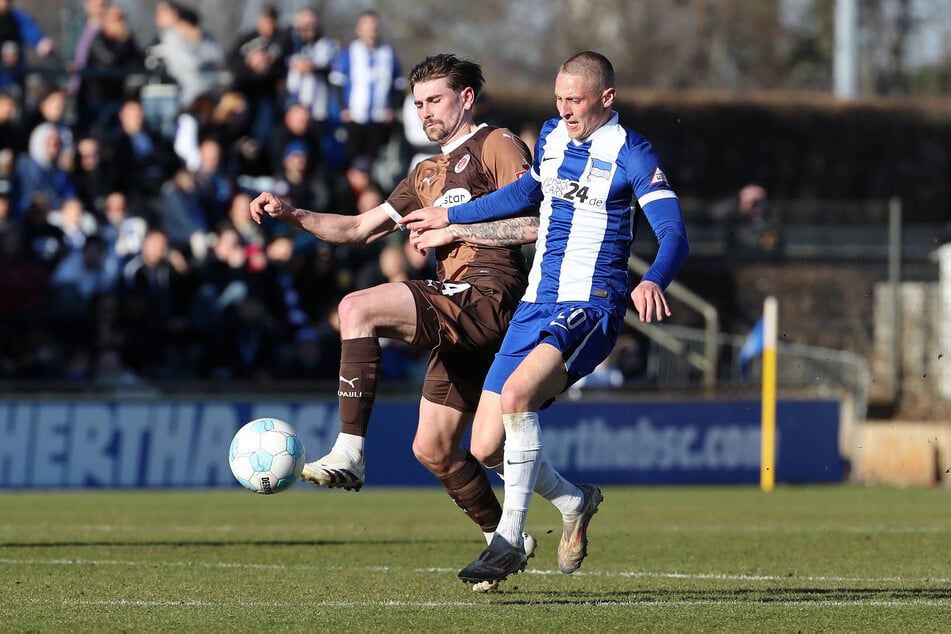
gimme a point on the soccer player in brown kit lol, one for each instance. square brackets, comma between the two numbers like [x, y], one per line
[461, 317]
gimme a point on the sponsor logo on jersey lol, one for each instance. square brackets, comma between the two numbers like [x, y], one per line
[574, 192]
[453, 197]
[658, 178]
[462, 164]
[600, 169]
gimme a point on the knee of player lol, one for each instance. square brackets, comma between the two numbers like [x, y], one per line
[516, 397]
[435, 458]
[355, 309]
[489, 455]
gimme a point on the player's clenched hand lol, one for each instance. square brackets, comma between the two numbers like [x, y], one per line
[268, 203]
[650, 302]
[422, 241]
[427, 218]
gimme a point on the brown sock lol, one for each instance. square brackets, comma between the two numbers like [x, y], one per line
[469, 488]
[359, 368]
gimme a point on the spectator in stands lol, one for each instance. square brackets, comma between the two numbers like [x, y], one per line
[232, 124]
[144, 160]
[92, 180]
[193, 58]
[222, 278]
[79, 280]
[296, 125]
[113, 55]
[215, 189]
[160, 94]
[38, 174]
[166, 17]
[6, 218]
[321, 280]
[359, 178]
[81, 36]
[367, 72]
[123, 232]
[75, 222]
[258, 63]
[154, 291]
[390, 265]
[12, 132]
[280, 287]
[52, 108]
[12, 143]
[293, 179]
[182, 216]
[18, 31]
[23, 303]
[312, 54]
[249, 232]
[193, 124]
[755, 232]
[370, 197]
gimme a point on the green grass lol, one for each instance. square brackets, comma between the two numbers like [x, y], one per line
[686, 559]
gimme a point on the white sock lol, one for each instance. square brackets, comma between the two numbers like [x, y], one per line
[552, 486]
[350, 445]
[522, 447]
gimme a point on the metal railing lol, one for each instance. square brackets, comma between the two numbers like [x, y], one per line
[705, 360]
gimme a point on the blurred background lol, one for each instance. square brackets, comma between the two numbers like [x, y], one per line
[809, 142]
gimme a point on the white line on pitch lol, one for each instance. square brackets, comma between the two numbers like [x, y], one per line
[622, 573]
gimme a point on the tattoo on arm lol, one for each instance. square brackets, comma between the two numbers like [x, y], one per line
[505, 232]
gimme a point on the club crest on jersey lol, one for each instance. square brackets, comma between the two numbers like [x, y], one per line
[462, 164]
[600, 169]
[525, 168]
[658, 178]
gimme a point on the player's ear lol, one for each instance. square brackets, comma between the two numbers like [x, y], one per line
[607, 96]
[468, 97]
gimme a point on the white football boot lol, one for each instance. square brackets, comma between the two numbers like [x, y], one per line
[336, 471]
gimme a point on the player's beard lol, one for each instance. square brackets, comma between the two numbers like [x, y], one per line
[436, 132]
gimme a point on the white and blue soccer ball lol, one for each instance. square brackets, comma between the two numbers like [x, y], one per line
[266, 455]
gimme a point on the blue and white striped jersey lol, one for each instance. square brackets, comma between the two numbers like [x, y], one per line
[370, 79]
[589, 194]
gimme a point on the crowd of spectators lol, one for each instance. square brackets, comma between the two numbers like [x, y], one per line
[126, 249]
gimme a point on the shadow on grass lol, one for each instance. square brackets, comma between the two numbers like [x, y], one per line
[221, 543]
[184, 543]
[777, 596]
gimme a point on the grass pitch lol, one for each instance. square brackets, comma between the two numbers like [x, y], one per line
[688, 559]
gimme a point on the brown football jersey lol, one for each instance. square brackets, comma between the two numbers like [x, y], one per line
[488, 159]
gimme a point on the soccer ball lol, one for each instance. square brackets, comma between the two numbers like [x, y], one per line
[266, 456]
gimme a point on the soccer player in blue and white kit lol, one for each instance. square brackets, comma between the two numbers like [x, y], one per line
[592, 175]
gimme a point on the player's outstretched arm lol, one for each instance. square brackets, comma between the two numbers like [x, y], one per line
[358, 230]
[506, 232]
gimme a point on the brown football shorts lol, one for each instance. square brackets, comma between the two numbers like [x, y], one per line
[463, 324]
